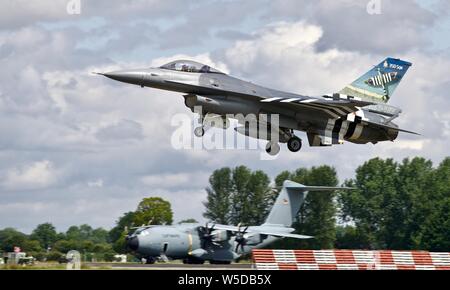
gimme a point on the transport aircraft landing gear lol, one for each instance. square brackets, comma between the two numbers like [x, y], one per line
[192, 260]
[213, 262]
[294, 144]
[272, 148]
[150, 260]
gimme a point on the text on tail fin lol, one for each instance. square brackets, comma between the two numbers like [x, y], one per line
[379, 83]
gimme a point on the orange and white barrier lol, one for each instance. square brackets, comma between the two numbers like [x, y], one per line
[349, 260]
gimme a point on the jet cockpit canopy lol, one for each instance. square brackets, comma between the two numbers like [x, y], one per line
[190, 66]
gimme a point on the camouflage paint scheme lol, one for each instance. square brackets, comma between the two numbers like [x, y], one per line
[359, 113]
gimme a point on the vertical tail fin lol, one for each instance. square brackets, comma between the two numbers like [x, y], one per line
[379, 83]
[289, 201]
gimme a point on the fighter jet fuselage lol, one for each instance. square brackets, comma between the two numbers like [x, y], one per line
[359, 116]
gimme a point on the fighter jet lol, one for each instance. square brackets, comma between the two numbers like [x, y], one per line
[358, 113]
[220, 244]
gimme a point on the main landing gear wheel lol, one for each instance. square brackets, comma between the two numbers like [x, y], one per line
[150, 260]
[212, 262]
[294, 144]
[199, 132]
[191, 260]
[272, 148]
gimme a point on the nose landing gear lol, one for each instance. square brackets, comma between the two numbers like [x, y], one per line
[199, 131]
[272, 148]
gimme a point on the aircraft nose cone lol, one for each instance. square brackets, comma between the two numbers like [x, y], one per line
[132, 77]
[133, 243]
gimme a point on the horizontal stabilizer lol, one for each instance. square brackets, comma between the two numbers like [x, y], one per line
[285, 235]
[392, 128]
[260, 231]
[319, 188]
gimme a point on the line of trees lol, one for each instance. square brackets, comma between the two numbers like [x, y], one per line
[395, 205]
[45, 243]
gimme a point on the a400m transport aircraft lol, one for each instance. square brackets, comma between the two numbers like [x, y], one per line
[220, 244]
[358, 113]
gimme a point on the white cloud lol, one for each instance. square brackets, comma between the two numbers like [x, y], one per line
[196, 179]
[81, 148]
[284, 54]
[96, 183]
[37, 175]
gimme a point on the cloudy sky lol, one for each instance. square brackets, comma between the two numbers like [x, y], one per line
[77, 148]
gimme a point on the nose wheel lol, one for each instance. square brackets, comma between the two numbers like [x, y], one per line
[199, 132]
[294, 144]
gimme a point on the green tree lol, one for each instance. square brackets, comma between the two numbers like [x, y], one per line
[126, 221]
[10, 238]
[46, 235]
[155, 211]
[73, 233]
[433, 212]
[347, 237]
[31, 246]
[251, 194]
[399, 205]
[65, 246]
[119, 245]
[407, 210]
[238, 196]
[218, 203]
[376, 183]
[99, 235]
[86, 231]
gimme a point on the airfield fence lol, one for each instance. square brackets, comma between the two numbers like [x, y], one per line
[349, 260]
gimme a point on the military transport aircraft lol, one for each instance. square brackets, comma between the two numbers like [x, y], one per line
[358, 113]
[196, 243]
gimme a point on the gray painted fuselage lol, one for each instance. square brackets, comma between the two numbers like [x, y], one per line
[222, 94]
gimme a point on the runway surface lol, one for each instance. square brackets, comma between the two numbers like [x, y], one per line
[170, 266]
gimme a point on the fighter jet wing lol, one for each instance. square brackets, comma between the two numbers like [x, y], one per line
[336, 105]
[257, 230]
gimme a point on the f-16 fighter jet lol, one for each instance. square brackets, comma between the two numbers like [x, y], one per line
[358, 113]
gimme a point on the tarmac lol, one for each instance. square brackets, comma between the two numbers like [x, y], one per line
[170, 266]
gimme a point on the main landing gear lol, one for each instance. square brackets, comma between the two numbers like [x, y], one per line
[192, 260]
[294, 144]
